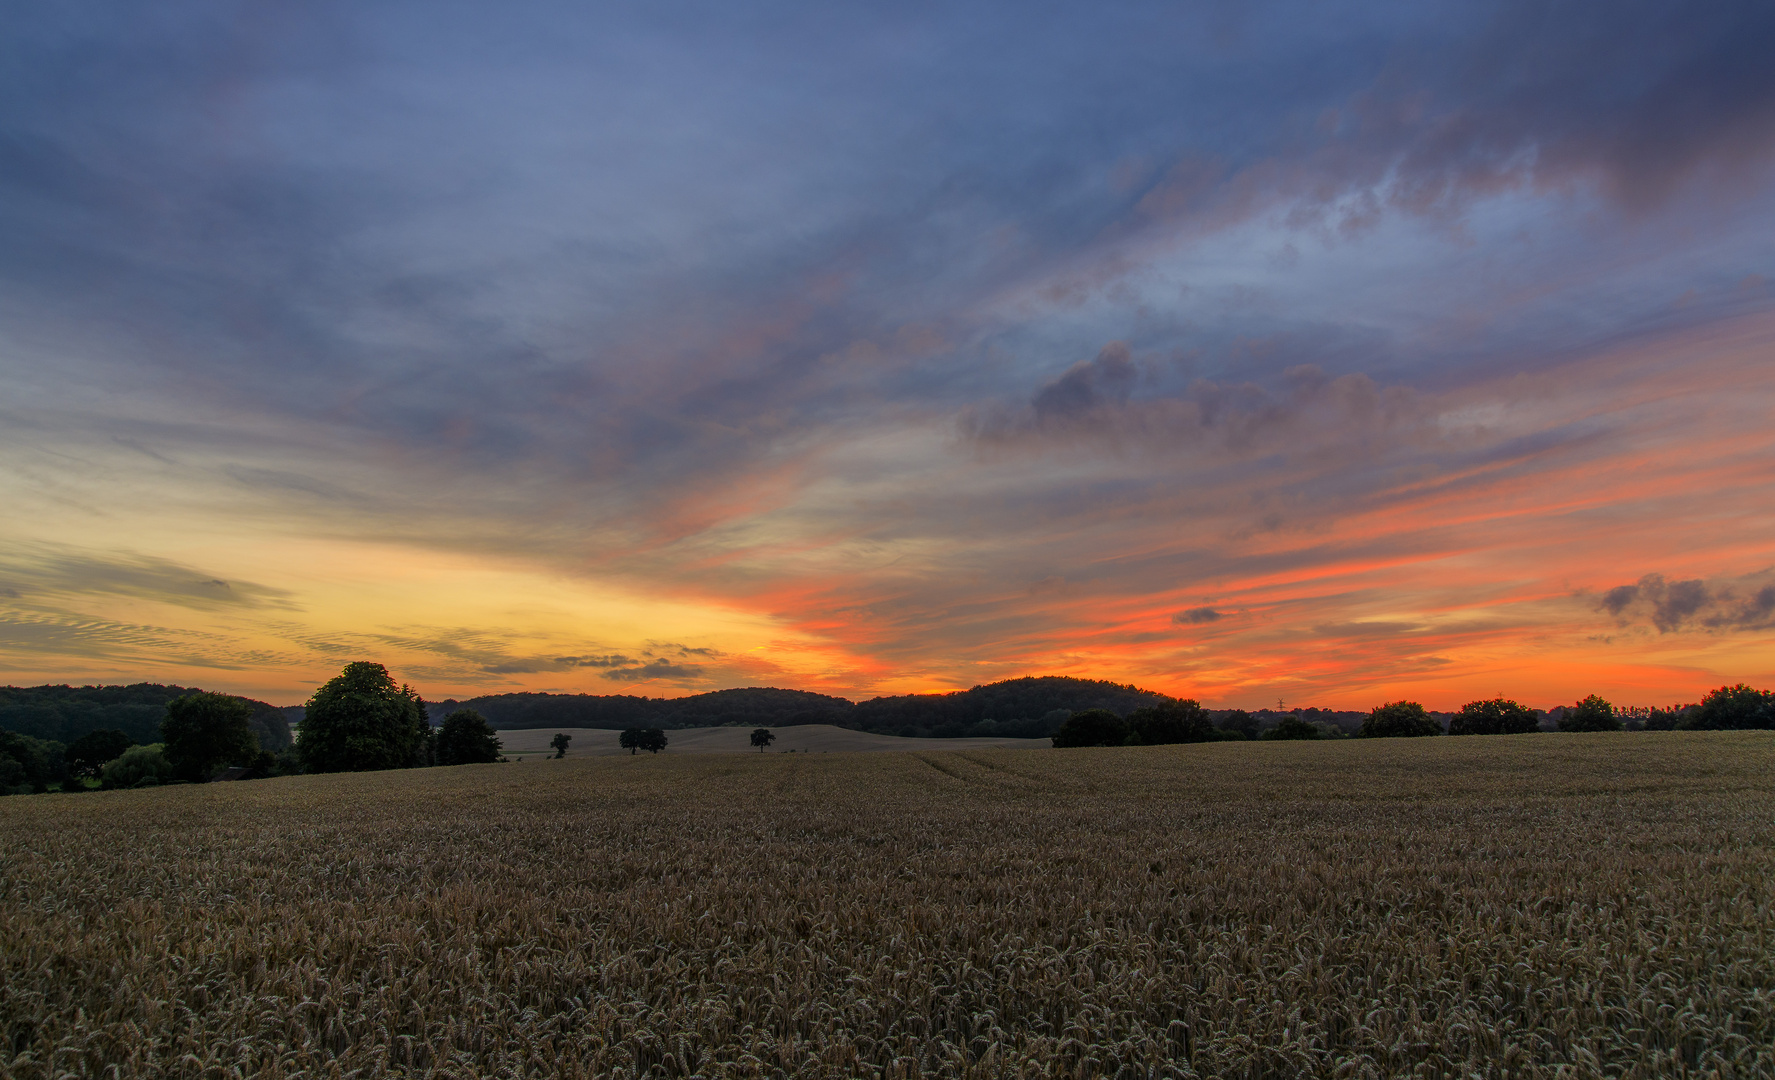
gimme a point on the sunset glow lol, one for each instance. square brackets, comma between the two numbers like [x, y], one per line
[1245, 354]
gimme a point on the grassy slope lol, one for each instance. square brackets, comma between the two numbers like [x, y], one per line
[1503, 905]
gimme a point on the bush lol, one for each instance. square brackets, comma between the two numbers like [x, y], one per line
[1293, 727]
[1732, 708]
[467, 739]
[1498, 716]
[205, 732]
[139, 766]
[1093, 727]
[1591, 714]
[1399, 719]
[361, 720]
[1171, 722]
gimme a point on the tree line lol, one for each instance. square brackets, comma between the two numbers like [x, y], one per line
[1734, 707]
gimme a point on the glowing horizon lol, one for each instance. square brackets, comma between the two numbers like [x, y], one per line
[890, 353]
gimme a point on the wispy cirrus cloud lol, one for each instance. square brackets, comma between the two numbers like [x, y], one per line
[30, 570]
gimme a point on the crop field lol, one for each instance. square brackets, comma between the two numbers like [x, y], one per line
[1540, 905]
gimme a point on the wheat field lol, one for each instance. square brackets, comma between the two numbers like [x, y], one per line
[1543, 905]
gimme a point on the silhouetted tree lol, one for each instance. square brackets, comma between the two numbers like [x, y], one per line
[204, 732]
[1093, 727]
[763, 737]
[1239, 724]
[652, 740]
[1591, 714]
[90, 753]
[1398, 719]
[361, 720]
[1498, 716]
[467, 739]
[1182, 721]
[1293, 727]
[559, 742]
[1733, 707]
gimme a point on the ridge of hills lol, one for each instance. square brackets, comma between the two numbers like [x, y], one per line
[1030, 707]
[64, 713]
[1018, 708]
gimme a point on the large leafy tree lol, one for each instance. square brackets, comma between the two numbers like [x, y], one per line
[763, 737]
[1239, 724]
[467, 739]
[1172, 722]
[1399, 718]
[1737, 706]
[204, 732]
[1498, 716]
[94, 750]
[652, 740]
[1591, 714]
[1093, 727]
[361, 720]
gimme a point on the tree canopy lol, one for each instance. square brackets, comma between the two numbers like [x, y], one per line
[1398, 719]
[1182, 721]
[652, 740]
[1499, 716]
[1292, 727]
[763, 737]
[1591, 714]
[90, 753]
[1093, 727]
[467, 739]
[29, 765]
[1733, 707]
[139, 766]
[560, 742]
[361, 720]
[1240, 724]
[204, 732]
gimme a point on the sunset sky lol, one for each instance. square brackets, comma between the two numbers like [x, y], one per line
[1323, 352]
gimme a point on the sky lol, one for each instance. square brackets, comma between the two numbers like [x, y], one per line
[1317, 352]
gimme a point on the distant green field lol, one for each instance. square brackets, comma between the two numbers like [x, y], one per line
[1541, 905]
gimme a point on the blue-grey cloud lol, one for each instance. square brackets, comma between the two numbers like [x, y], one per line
[655, 669]
[1197, 616]
[1693, 604]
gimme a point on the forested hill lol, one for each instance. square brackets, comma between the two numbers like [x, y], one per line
[1031, 707]
[64, 713]
[1008, 702]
